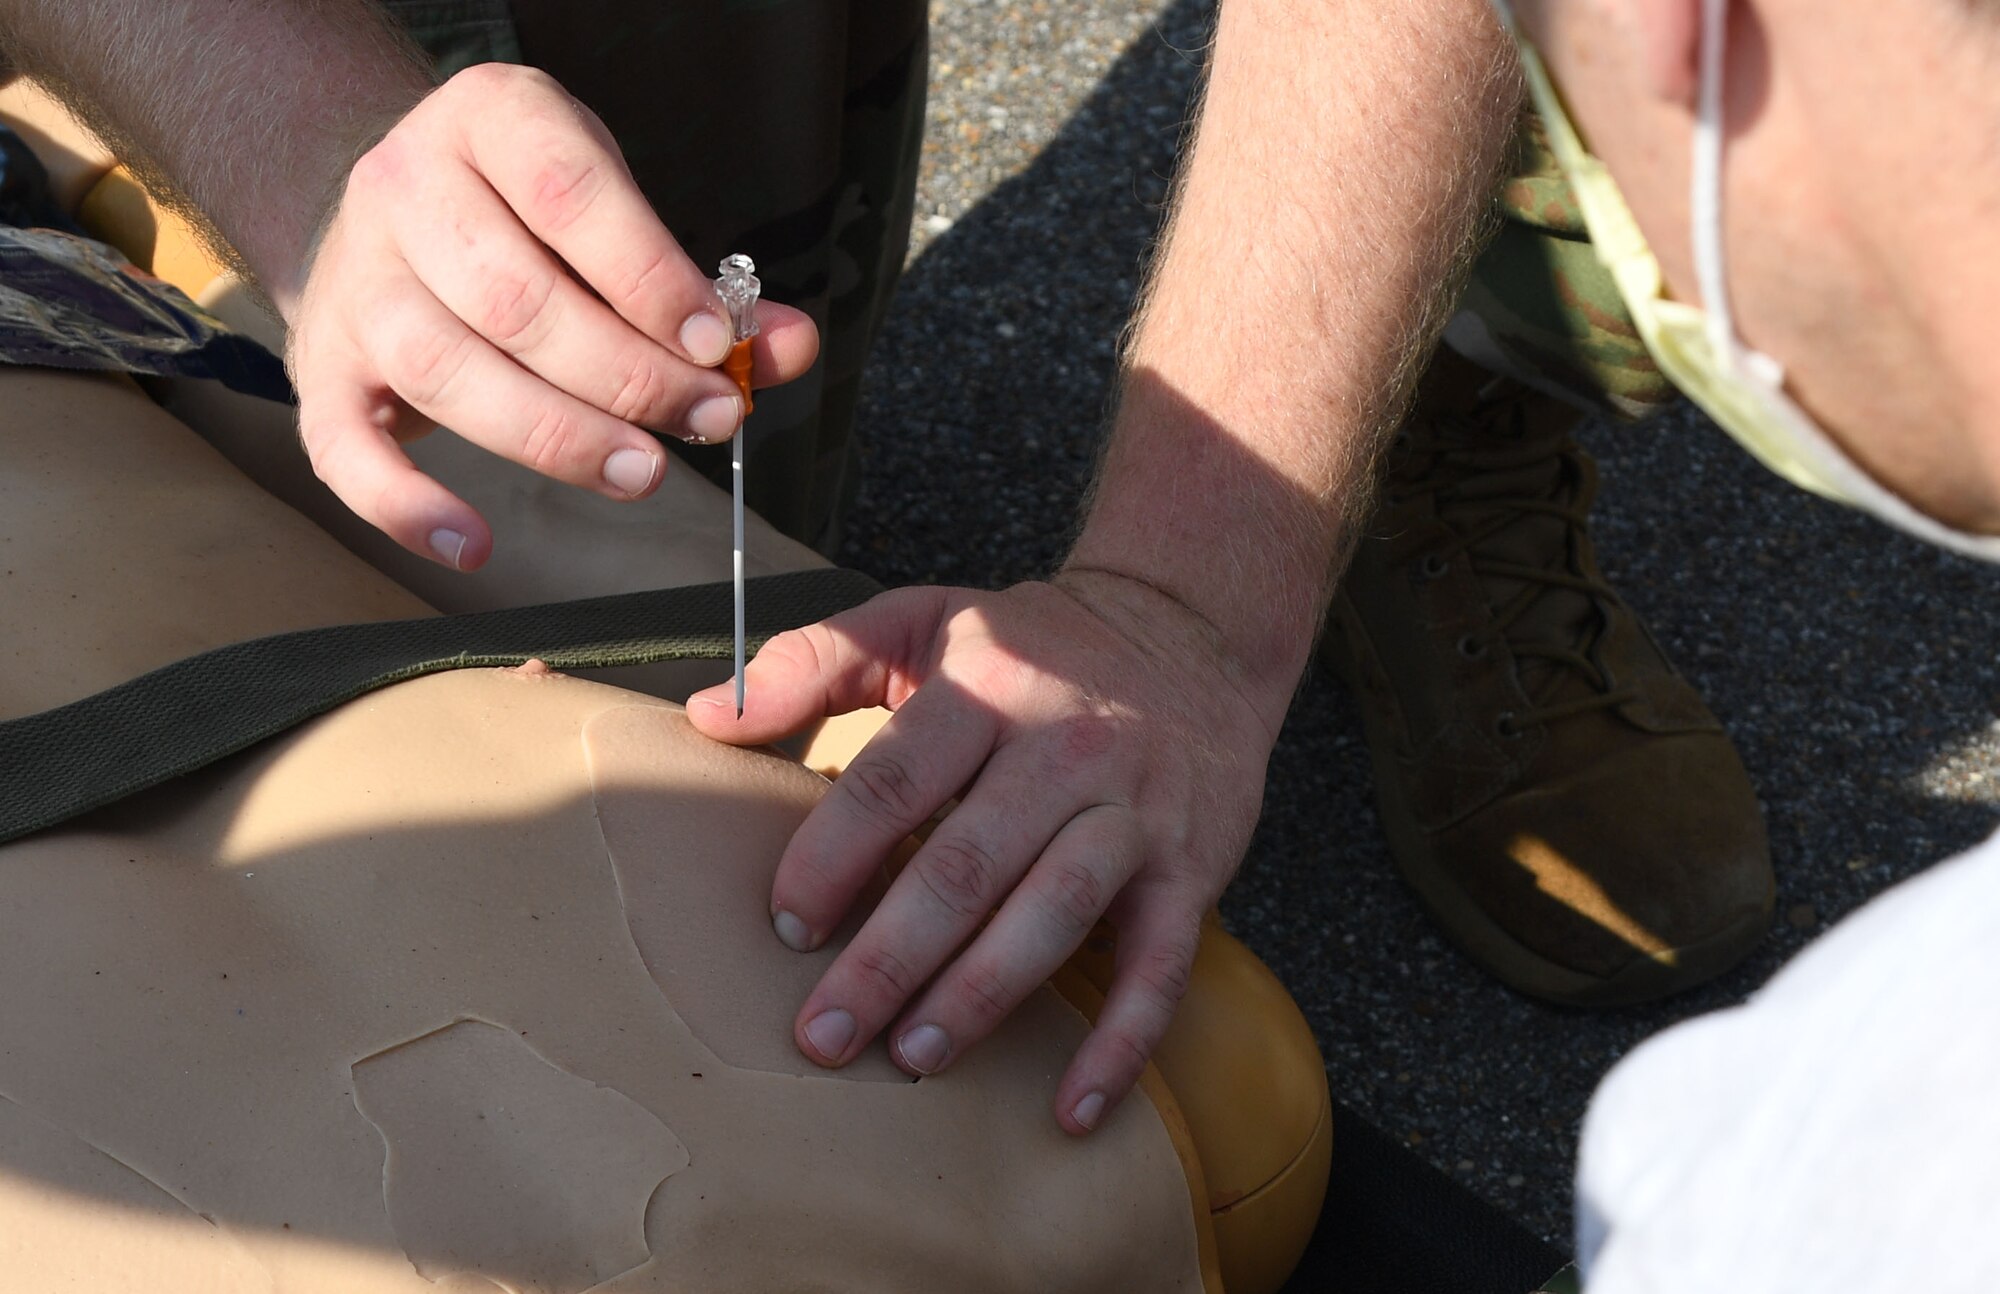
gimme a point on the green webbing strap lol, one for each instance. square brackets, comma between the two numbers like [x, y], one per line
[62, 762]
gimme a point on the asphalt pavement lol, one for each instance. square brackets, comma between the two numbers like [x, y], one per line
[1856, 670]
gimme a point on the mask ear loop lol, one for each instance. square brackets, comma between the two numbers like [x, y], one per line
[1705, 196]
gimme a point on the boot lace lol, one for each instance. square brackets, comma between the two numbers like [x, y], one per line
[1474, 477]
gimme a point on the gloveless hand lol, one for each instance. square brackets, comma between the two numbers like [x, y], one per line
[492, 267]
[1109, 762]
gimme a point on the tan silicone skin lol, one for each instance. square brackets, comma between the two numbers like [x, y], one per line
[469, 982]
[119, 211]
[74, 158]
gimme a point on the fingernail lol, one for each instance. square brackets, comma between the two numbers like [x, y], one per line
[1089, 1110]
[829, 1032]
[715, 418]
[705, 337]
[710, 699]
[449, 545]
[632, 470]
[792, 932]
[924, 1048]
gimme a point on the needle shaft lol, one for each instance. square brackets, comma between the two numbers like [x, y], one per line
[736, 474]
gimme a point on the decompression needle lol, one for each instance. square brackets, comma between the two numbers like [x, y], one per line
[738, 287]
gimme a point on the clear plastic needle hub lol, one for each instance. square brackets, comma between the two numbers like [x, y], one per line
[738, 287]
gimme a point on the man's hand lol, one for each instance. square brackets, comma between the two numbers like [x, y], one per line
[1110, 762]
[1107, 734]
[488, 264]
[492, 267]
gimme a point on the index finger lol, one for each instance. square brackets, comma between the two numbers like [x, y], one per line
[553, 162]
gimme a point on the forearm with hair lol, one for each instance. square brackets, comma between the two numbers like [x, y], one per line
[1345, 154]
[246, 114]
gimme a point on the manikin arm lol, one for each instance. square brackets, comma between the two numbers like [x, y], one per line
[1108, 732]
[487, 264]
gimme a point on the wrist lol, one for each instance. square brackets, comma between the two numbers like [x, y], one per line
[1231, 513]
[1263, 671]
[286, 224]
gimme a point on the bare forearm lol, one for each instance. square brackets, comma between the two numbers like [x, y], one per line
[248, 113]
[1344, 155]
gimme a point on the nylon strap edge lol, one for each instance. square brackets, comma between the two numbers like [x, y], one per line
[181, 717]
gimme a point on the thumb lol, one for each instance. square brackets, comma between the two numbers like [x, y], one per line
[873, 655]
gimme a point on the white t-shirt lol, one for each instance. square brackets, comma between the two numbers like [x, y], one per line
[1839, 1132]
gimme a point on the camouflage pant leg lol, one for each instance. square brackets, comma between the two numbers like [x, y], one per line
[1541, 308]
[788, 129]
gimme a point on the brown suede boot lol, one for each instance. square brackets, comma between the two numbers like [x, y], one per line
[1557, 794]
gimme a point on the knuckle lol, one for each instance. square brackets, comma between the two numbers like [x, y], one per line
[525, 79]
[652, 273]
[336, 461]
[1130, 1052]
[1076, 896]
[882, 790]
[961, 874]
[332, 451]
[426, 365]
[983, 995]
[1084, 738]
[642, 396]
[883, 974]
[990, 671]
[807, 653]
[378, 168]
[561, 188]
[551, 441]
[483, 84]
[1162, 974]
[323, 451]
[817, 647]
[512, 307]
[793, 648]
[484, 78]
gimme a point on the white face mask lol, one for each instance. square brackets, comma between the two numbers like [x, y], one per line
[1742, 389]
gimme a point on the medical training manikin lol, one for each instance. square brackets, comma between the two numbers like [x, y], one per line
[469, 985]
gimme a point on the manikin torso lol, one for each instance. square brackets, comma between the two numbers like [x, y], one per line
[466, 986]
